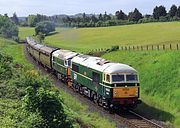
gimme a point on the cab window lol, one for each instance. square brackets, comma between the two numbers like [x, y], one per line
[131, 77]
[108, 78]
[117, 78]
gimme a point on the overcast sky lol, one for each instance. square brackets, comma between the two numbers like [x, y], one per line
[52, 7]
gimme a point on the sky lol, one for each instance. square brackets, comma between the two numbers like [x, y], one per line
[52, 7]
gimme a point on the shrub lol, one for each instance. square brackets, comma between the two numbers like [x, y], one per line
[5, 67]
[7, 27]
[44, 27]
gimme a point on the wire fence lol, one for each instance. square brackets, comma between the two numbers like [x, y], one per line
[142, 48]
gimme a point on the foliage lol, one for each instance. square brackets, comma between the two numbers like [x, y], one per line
[135, 16]
[173, 11]
[121, 15]
[178, 12]
[159, 11]
[5, 67]
[15, 19]
[40, 37]
[113, 48]
[32, 20]
[7, 27]
[49, 106]
[44, 27]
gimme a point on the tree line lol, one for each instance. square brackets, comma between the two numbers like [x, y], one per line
[160, 14]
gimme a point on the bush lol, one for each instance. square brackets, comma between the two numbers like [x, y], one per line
[5, 67]
[49, 106]
[44, 27]
[15, 38]
[7, 27]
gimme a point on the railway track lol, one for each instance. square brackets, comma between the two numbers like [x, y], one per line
[134, 120]
[124, 119]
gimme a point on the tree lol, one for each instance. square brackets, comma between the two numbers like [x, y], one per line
[44, 27]
[159, 11]
[121, 15]
[100, 17]
[106, 17]
[32, 20]
[135, 16]
[41, 37]
[94, 19]
[178, 12]
[173, 11]
[7, 27]
[15, 19]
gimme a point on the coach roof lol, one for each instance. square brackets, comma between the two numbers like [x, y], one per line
[64, 54]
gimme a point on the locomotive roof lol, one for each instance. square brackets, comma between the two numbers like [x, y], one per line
[64, 54]
[102, 65]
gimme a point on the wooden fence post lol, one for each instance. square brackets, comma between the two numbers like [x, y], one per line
[152, 47]
[129, 48]
[141, 48]
[164, 47]
[147, 47]
[177, 46]
[158, 47]
[138, 48]
[170, 46]
[125, 48]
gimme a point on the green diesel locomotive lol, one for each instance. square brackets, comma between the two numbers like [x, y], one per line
[111, 85]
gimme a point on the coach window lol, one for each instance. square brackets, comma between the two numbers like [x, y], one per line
[96, 77]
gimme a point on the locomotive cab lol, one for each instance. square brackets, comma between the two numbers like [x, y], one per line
[124, 83]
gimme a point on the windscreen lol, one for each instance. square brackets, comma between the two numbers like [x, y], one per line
[131, 78]
[117, 78]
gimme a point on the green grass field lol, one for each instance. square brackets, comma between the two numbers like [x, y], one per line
[85, 39]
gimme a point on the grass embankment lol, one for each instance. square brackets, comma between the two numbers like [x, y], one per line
[9, 107]
[160, 81]
[85, 39]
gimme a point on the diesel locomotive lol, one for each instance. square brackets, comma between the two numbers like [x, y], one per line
[109, 84]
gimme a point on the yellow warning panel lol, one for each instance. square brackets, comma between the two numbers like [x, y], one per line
[125, 92]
